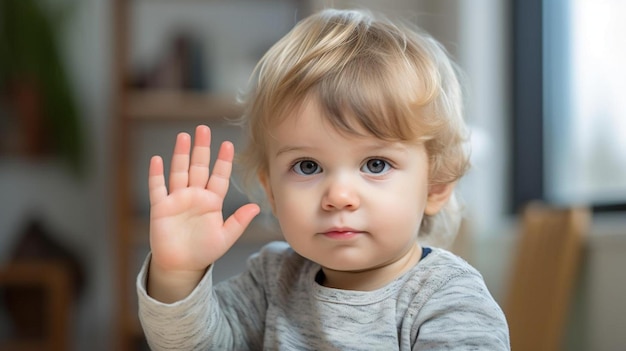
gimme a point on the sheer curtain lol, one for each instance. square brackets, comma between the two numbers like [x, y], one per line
[585, 102]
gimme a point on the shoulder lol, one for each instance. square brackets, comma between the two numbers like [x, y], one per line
[442, 277]
[448, 276]
[455, 303]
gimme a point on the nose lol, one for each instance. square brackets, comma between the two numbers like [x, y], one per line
[341, 194]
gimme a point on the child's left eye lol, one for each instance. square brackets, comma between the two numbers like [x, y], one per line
[376, 166]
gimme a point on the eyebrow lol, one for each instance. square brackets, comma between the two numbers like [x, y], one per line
[398, 146]
[287, 149]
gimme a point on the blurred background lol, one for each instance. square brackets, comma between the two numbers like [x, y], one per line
[90, 89]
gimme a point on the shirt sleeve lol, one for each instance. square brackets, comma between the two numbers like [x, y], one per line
[227, 316]
[462, 315]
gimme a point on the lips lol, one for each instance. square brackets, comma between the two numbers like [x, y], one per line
[342, 233]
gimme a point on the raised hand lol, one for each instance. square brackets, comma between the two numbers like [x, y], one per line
[187, 230]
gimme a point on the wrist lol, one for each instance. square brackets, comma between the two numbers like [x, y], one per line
[169, 286]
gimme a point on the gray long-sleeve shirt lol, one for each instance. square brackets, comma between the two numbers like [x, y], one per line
[440, 304]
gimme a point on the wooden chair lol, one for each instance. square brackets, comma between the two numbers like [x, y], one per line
[54, 278]
[543, 275]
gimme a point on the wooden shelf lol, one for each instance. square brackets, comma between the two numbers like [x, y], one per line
[180, 106]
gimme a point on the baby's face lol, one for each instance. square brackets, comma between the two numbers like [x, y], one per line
[349, 203]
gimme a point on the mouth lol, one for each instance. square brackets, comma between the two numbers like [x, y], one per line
[342, 233]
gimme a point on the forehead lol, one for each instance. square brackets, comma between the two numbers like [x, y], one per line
[346, 119]
[307, 127]
[311, 117]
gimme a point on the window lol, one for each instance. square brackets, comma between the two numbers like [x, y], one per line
[586, 158]
[569, 116]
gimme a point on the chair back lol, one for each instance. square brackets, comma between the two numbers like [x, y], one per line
[543, 275]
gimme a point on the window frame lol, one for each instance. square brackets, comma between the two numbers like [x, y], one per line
[528, 109]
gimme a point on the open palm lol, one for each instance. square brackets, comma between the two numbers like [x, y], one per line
[187, 229]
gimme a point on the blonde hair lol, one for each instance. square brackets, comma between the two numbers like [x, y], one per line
[392, 81]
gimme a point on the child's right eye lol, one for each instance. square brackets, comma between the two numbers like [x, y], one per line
[306, 167]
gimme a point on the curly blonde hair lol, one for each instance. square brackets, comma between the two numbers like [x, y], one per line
[370, 74]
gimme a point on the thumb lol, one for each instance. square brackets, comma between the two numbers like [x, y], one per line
[237, 223]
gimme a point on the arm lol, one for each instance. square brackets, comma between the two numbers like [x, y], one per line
[228, 316]
[187, 230]
[462, 315]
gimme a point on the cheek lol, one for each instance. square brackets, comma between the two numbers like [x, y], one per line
[412, 183]
[294, 215]
[406, 202]
[402, 217]
[287, 202]
[296, 209]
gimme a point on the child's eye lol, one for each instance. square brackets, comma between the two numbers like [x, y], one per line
[306, 167]
[376, 166]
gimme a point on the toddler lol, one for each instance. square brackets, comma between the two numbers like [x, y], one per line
[356, 136]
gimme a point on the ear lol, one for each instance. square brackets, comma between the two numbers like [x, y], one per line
[265, 183]
[438, 196]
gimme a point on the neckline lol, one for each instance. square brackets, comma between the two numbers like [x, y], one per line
[358, 297]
